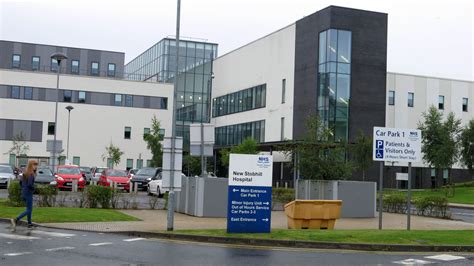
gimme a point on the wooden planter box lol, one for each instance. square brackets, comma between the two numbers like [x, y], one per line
[313, 214]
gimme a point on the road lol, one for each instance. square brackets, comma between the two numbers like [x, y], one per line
[58, 247]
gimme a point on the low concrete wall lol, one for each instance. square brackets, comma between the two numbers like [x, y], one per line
[358, 198]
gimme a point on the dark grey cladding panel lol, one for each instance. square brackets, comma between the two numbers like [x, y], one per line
[368, 66]
[6, 51]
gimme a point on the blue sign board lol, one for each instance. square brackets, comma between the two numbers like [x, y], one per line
[250, 194]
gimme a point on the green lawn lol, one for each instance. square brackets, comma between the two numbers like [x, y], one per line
[65, 215]
[451, 237]
[463, 195]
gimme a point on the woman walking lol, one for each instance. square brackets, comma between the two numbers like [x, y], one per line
[27, 182]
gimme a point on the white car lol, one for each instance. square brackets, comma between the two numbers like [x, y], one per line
[155, 185]
[6, 175]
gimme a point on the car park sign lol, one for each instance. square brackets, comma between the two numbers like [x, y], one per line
[396, 144]
[250, 193]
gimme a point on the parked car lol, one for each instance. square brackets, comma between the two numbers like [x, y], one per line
[87, 172]
[118, 177]
[66, 174]
[143, 176]
[96, 172]
[155, 185]
[132, 172]
[6, 174]
[44, 176]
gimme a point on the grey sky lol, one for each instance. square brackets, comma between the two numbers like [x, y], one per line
[424, 37]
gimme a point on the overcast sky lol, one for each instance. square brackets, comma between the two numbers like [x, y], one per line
[424, 37]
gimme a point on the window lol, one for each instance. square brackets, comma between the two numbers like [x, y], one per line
[75, 66]
[28, 93]
[391, 97]
[76, 160]
[54, 65]
[67, 96]
[129, 100]
[110, 163]
[240, 101]
[16, 61]
[111, 70]
[146, 131]
[282, 131]
[139, 163]
[441, 102]
[464, 104]
[15, 92]
[411, 99]
[95, 68]
[148, 163]
[127, 134]
[81, 98]
[161, 133]
[129, 164]
[235, 134]
[35, 63]
[283, 90]
[51, 128]
[118, 99]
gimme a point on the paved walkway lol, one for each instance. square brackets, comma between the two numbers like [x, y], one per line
[155, 220]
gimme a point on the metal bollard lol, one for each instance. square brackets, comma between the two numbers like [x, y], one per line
[8, 183]
[286, 185]
[135, 189]
[111, 184]
[94, 183]
[74, 185]
[115, 185]
[130, 188]
[277, 184]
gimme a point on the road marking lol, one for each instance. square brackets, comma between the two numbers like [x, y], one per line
[55, 234]
[100, 244]
[412, 262]
[134, 239]
[18, 237]
[9, 243]
[60, 248]
[445, 257]
[17, 254]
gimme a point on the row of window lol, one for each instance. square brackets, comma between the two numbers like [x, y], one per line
[74, 67]
[127, 133]
[235, 134]
[138, 166]
[411, 101]
[72, 96]
[240, 101]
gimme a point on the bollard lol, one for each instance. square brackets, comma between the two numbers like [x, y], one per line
[135, 189]
[74, 185]
[115, 185]
[286, 185]
[94, 183]
[277, 184]
[130, 188]
[8, 183]
[111, 184]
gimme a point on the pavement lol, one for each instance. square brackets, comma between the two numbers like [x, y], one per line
[60, 247]
[155, 220]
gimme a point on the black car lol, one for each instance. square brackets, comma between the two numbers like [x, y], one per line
[143, 176]
[44, 176]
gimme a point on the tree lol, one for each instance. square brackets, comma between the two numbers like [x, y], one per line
[440, 145]
[113, 153]
[19, 146]
[153, 141]
[318, 156]
[192, 165]
[467, 146]
[248, 146]
[362, 152]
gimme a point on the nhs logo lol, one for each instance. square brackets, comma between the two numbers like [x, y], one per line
[379, 149]
[263, 160]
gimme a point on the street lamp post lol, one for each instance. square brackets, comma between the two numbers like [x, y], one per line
[69, 109]
[58, 57]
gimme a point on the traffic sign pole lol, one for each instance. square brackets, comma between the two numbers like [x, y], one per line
[381, 195]
[409, 197]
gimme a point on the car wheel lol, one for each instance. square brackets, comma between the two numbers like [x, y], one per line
[148, 191]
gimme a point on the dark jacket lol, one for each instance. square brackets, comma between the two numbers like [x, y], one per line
[27, 186]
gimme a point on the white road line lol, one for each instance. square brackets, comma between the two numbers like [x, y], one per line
[55, 234]
[17, 254]
[412, 262]
[60, 248]
[100, 244]
[18, 237]
[134, 239]
[445, 257]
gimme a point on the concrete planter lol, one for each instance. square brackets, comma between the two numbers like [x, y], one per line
[313, 214]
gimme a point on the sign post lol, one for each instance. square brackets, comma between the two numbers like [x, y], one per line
[250, 193]
[400, 145]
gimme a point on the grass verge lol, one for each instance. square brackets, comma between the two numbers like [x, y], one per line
[66, 215]
[421, 237]
[462, 195]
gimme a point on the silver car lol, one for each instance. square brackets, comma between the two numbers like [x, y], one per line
[6, 174]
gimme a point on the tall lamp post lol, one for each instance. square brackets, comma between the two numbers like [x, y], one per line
[58, 57]
[69, 109]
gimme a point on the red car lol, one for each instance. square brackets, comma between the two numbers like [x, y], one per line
[119, 179]
[66, 174]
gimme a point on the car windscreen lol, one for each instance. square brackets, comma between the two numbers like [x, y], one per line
[6, 169]
[69, 171]
[146, 171]
[45, 171]
[117, 173]
[86, 170]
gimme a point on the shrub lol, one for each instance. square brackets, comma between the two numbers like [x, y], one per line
[14, 194]
[434, 206]
[47, 195]
[98, 195]
[396, 203]
[282, 195]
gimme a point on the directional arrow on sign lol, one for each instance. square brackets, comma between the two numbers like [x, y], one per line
[266, 203]
[265, 220]
[235, 190]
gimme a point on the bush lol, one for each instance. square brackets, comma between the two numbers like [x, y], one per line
[96, 195]
[14, 194]
[47, 195]
[283, 195]
[396, 203]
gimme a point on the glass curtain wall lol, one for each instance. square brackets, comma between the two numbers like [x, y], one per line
[335, 81]
[235, 134]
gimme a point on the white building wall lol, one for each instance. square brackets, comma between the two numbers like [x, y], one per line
[266, 60]
[427, 91]
[92, 126]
